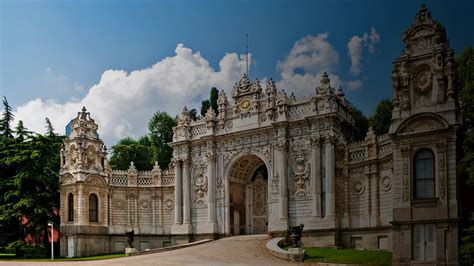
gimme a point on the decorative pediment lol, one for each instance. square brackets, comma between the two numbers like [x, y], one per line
[67, 179]
[96, 181]
[422, 123]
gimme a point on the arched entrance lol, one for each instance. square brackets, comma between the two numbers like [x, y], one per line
[248, 179]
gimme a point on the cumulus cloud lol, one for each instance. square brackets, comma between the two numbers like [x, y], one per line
[122, 103]
[356, 45]
[308, 59]
[354, 85]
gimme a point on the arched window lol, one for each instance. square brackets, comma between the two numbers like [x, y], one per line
[93, 208]
[70, 207]
[424, 174]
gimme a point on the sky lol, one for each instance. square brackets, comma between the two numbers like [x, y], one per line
[125, 60]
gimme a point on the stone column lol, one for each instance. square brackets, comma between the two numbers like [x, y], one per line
[81, 211]
[178, 213]
[186, 191]
[211, 188]
[330, 179]
[282, 171]
[153, 209]
[316, 177]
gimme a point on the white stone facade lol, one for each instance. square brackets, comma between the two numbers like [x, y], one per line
[268, 160]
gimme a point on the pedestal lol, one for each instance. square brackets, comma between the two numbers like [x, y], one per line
[129, 251]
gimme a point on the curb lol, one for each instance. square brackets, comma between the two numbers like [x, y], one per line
[274, 249]
[158, 250]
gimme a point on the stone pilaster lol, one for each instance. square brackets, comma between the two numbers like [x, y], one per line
[211, 165]
[282, 170]
[316, 176]
[178, 213]
[330, 179]
[186, 191]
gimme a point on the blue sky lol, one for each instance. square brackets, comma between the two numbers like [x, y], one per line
[53, 53]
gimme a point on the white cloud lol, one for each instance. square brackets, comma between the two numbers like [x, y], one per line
[354, 85]
[355, 45]
[122, 103]
[302, 68]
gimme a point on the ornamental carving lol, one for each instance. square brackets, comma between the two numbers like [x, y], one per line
[405, 151]
[168, 202]
[301, 175]
[275, 183]
[385, 183]
[423, 82]
[441, 147]
[200, 186]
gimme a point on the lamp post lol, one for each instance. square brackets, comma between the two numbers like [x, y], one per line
[52, 239]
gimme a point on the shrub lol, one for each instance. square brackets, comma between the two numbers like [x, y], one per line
[21, 249]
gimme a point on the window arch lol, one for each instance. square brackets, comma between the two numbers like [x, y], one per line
[424, 178]
[70, 207]
[93, 208]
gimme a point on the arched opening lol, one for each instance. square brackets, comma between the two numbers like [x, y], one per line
[70, 208]
[248, 179]
[93, 208]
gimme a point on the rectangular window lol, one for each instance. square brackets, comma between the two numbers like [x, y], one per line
[424, 242]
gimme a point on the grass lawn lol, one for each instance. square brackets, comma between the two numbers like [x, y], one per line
[371, 257]
[4, 256]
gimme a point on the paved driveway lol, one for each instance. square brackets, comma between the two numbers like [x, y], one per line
[239, 250]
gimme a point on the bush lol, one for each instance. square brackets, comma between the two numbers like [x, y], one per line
[21, 249]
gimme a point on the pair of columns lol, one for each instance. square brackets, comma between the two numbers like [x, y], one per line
[183, 190]
[182, 209]
[316, 178]
[316, 175]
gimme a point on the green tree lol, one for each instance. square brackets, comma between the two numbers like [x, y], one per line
[382, 118]
[212, 102]
[7, 118]
[30, 185]
[193, 114]
[127, 150]
[360, 121]
[465, 83]
[213, 99]
[161, 133]
[204, 106]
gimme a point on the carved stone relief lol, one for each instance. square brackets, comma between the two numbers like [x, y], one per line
[200, 185]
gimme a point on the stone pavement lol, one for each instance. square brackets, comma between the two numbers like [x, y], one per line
[238, 250]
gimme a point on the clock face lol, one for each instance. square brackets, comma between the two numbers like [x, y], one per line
[245, 105]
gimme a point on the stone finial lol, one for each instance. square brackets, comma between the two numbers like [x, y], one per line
[210, 114]
[325, 85]
[424, 15]
[156, 167]
[132, 167]
[184, 118]
[270, 90]
[222, 98]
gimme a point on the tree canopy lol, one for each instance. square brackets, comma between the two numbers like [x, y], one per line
[465, 83]
[29, 174]
[382, 118]
[128, 149]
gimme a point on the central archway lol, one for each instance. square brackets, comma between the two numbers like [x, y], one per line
[248, 209]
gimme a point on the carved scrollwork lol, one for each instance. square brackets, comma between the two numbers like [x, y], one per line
[200, 185]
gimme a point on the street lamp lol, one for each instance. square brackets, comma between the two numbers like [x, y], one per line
[52, 239]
